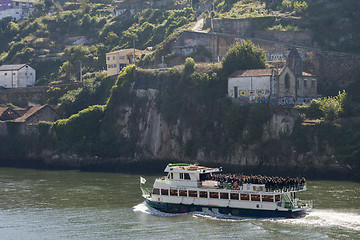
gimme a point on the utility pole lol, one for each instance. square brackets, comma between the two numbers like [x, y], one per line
[134, 54]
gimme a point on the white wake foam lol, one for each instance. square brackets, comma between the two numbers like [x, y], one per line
[315, 218]
[144, 208]
[327, 218]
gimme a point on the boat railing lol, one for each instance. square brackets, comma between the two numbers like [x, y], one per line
[146, 191]
[257, 187]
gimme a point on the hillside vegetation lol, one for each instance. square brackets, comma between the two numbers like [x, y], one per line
[44, 42]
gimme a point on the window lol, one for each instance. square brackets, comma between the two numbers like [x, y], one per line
[267, 198]
[14, 73]
[173, 192]
[25, 74]
[287, 81]
[244, 196]
[234, 196]
[255, 198]
[171, 176]
[235, 92]
[224, 195]
[277, 198]
[192, 193]
[156, 191]
[305, 84]
[183, 193]
[313, 83]
[203, 194]
[164, 192]
[181, 175]
[5, 74]
[214, 195]
[186, 176]
[113, 58]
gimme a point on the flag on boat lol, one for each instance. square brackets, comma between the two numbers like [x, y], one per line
[142, 180]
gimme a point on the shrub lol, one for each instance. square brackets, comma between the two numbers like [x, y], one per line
[189, 67]
[244, 55]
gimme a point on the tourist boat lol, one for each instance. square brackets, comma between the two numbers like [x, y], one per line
[193, 188]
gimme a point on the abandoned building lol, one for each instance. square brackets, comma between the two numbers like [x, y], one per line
[286, 86]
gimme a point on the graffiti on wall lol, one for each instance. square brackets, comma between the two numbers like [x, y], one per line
[261, 99]
[286, 101]
[189, 41]
[253, 96]
[276, 56]
[304, 100]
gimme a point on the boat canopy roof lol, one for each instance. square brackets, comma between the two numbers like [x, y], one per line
[190, 168]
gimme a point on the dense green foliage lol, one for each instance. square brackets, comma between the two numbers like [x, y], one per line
[328, 108]
[244, 55]
[46, 41]
[95, 90]
[80, 132]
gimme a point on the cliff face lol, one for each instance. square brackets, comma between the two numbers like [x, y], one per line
[157, 139]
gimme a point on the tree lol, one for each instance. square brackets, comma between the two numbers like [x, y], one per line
[244, 55]
[65, 70]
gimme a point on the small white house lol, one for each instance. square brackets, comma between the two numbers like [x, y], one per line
[17, 76]
[254, 85]
[16, 9]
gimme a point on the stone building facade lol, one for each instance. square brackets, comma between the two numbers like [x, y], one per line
[286, 86]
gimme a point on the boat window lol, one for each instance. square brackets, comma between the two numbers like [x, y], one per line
[244, 196]
[255, 198]
[173, 192]
[187, 176]
[277, 198]
[183, 193]
[203, 194]
[156, 191]
[181, 175]
[170, 175]
[192, 193]
[267, 198]
[224, 195]
[214, 195]
[164, 191]
[234, 196]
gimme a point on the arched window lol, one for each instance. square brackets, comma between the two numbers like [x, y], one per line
[287, 81]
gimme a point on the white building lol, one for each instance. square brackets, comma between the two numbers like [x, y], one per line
[17, 76]
[255, 85]
[286, 86]
[16, 9]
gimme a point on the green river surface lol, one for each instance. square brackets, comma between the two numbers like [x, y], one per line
[37, 204]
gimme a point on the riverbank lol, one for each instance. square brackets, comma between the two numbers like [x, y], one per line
[156, 167]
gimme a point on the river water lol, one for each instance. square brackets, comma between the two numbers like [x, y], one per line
[79, 205]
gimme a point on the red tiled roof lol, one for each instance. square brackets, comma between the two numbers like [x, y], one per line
[252, 73]
[129, 51]
[29, 113]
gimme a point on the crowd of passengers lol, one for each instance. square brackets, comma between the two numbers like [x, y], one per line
[235, 181]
